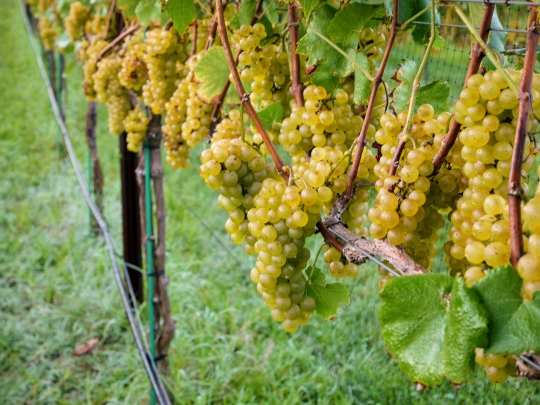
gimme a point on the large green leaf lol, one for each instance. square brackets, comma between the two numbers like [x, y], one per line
[432, 324]
[212, 72]
[435, 93]
[308, 6]
[348, 23]
[148, 11]
[182, 12]
[331, 65]
[328, 297]
[362, 85]
[466, 330]
[269, 115]
[514, 323]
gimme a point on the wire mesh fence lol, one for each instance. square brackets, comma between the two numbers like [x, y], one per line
[449, 64]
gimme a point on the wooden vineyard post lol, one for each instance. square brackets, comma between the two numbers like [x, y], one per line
[131, 222]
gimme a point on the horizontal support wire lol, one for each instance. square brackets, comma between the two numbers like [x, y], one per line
[517, 31]
[151, 371]
[368, 255]
[506, 3]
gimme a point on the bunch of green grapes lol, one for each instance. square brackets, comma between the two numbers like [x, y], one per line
[176, 109]
[47, 32]
[498, 367]
[136, 124]
[406, 210]
[108, 90]
[88, 54]
[266, 67]
[162, 50]
[78, 14]
[133, 73]
[280, 220]
[487, 110]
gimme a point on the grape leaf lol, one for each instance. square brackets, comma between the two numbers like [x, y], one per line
[514, 324]
[348, 23]
[432, 324]
[466, 330]
[182, 12]
[148, 11]
[374, 2]
[435, 93]
[212, 72]
[331, 65]
[362, 85]
[308, 6]
[128, 7]
[269, 115]
[328, 297]
[497, 39]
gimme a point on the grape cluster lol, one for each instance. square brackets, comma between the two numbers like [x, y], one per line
[162, 50]
[96, 24]
[88, 53]
[47, 32]
[109, 90]
[136, 124]
[266, 67]
[407, 203]
[78, 14]
[498, 367]
[487, 110]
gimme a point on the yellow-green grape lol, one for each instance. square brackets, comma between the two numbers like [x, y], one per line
[473, 274]
[163, 49]
[78, 14]
[371, 42]
[44, 5]
[136, 124]
[47, 32]
[198, 117]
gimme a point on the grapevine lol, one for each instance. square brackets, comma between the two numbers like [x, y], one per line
[308, 142]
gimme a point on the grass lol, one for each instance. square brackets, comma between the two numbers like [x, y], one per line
[57, 290]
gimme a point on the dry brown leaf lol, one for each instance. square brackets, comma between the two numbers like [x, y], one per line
[86, 347]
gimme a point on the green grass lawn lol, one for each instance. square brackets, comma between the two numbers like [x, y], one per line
[57, 289]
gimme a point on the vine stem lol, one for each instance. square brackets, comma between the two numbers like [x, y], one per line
[515, 191]
[477, 54]
[244, 97]
[223, 94]
[412, 102]
[194, 41]
[342, 203]
[487, 50]
[296, 85]
[110, 13]
[117, 40]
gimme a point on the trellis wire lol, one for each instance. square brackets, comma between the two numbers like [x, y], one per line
[152, 372]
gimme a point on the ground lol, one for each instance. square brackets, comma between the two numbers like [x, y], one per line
[57, 289]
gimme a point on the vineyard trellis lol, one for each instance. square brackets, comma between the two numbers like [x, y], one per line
[423, 160]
